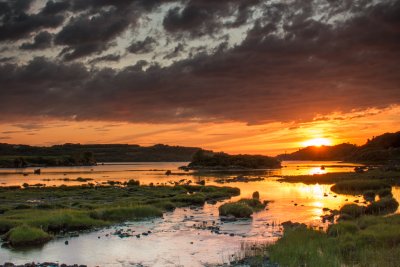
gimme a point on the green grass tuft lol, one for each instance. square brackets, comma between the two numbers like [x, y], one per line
[27, 236]
[243, 208]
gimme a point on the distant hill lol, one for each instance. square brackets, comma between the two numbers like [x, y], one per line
[338, 152]
[380, 149]
[77, 154]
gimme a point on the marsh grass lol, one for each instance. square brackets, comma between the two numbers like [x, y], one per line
[389, 177]
[237, 209]
[27, 236]
[243, 208]
[385, 205]
[366, 241]
[126, 213]
[351, 211]
[60, 209]
[359, 186]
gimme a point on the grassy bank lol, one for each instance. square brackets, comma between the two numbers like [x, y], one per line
[363, 236]
[367, 241]
[43, 212]
[388, 177]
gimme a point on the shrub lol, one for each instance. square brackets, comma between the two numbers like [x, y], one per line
[27, 236]
[369, 195]
[253, 203]
[256, 195]
[133, 183]
[239, 210]
[383, 206]
[352, 211]
[385, 192]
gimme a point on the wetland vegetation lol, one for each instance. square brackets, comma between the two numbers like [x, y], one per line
[363, 235]
[33, 215]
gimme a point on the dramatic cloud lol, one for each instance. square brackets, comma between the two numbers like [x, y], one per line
[142, 47]
[84, 35]
[15, 23]
[200, 17]
[41, 41]
[296, 60]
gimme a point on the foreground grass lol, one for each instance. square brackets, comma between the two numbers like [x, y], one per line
[367, 241]
[42, 212]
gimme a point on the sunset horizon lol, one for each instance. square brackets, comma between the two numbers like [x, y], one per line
[243, 133]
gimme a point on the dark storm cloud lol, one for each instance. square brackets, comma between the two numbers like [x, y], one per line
[15, 23]
[41, 41]
[85, 35]
[52, 7]
[142, 47]
[290, 67]
[200, 17]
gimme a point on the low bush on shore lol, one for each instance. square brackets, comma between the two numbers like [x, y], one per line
[237, 209]
[243, 208]
[27, 236]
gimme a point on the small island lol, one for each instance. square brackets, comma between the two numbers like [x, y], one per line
[209, 160]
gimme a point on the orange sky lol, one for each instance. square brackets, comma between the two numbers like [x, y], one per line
[231, 137]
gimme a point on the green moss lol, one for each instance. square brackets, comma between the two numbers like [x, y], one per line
[27, 236]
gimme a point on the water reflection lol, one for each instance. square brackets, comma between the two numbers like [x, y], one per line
[174, 240]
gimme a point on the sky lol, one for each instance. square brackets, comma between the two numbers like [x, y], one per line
[240, 76]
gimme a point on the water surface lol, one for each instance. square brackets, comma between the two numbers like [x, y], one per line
[174, 240]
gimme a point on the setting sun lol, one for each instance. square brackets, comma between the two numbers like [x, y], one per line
[318, 142]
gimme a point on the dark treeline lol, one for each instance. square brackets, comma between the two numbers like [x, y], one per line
[380, 149]
[77, 154]
[204, 159]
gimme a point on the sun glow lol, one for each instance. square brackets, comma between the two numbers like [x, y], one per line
[318, 142]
